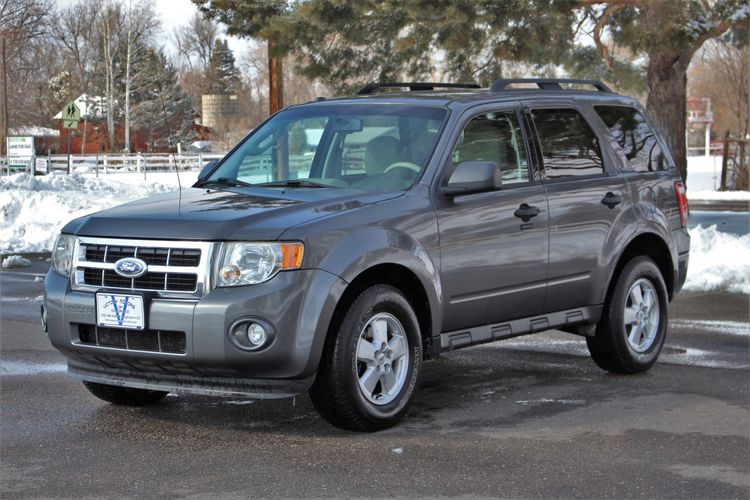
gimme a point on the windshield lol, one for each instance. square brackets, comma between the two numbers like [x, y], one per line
[374, 147]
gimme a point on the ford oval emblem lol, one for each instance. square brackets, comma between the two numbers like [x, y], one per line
[130, 267]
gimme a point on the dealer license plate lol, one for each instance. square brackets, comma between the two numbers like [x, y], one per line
[119, 311]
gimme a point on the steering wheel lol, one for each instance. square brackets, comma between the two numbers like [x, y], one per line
[403, 164]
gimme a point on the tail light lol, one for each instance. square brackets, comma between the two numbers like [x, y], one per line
[682, 202]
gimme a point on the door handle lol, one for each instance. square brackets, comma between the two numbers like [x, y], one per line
[611, 200]
[526, 212]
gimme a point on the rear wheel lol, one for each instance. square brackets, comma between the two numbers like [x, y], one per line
[126, 396]
[633, 327]
[370, 368]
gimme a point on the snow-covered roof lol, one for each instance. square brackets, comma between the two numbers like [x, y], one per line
[95, 104]
[34, 131]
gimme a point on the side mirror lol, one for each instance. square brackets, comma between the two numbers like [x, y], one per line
[473, 177]
[207, 169]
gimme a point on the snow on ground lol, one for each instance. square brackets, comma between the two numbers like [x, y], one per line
[33, 209]
[704, 178]
[704, 173]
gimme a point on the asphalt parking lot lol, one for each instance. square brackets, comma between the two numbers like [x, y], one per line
[528, 417]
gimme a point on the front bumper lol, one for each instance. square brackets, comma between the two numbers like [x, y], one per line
[298, 304]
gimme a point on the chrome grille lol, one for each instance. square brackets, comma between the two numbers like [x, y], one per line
[175, 268]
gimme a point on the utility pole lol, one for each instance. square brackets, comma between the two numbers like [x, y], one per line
[3, 98]
[275, 81]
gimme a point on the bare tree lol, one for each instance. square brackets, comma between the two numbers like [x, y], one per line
[74, 31]
[23, 24]
[110, 23]
[195, 42]
[722, 72]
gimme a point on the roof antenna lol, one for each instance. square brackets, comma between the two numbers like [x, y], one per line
[169, 133]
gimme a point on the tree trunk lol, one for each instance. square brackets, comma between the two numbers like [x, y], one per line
[128, 56]
[111, 105]
[667, 104]
[275, 81]
[3, 98]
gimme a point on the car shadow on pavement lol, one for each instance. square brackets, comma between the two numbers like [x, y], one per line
[477, 387]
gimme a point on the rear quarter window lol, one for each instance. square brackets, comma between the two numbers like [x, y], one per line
[633, 139]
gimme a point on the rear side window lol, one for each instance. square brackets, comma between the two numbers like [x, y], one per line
[632, 138]
[569, 146]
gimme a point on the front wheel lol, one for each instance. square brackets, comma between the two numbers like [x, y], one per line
[633, 327]
[126, 396]
[370, 368]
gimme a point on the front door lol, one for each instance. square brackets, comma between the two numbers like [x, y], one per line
[493, 251]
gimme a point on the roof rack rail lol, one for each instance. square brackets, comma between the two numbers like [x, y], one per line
[372, 87]
[547, 83]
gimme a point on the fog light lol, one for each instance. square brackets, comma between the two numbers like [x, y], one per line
[251, 334]
[256, 334]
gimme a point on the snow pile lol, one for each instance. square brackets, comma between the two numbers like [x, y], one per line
[15, 261]
[718, 261]
[34, 209]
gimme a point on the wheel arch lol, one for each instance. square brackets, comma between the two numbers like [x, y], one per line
[405, 280]
[650, 245]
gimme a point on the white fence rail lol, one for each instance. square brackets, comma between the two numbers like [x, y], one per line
[703, 151]
[112, 164]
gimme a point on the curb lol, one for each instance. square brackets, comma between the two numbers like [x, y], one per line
[720, 205]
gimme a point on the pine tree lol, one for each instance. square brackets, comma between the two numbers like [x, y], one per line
[222, 76]
[160, 106]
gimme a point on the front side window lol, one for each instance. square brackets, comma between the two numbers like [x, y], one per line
[497, 138]
[369, 147]
[632, 138]
[569, 146]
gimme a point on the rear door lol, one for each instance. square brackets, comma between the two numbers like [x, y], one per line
[587, 201]
[493, 263]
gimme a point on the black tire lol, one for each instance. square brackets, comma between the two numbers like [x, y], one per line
[126, 396]
[336, 392]
[610, 347]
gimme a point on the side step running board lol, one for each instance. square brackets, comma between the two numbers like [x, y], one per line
[524, 326]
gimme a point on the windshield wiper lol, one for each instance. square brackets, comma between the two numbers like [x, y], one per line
[226, 181]
[293, 183]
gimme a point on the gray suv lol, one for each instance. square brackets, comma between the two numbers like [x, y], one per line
[345, 241]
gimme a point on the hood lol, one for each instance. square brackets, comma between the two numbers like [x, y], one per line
[234, 214]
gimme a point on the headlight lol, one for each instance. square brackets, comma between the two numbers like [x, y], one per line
[251, 263]
[62, 254]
